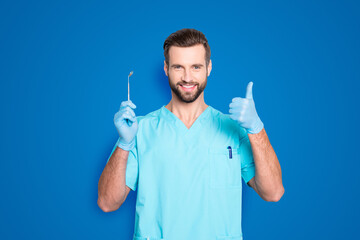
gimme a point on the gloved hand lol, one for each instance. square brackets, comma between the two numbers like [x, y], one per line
[243, 111]
[126, 125]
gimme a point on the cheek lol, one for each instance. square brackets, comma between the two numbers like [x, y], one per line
[201, 76]
[173, 78]
[175, 75]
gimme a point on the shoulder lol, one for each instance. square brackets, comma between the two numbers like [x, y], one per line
[224, 119]
[227, 124]
[150, 117]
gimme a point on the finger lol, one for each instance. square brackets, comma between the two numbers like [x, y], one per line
[237, 99]
[127, 103]
[132, 105]
[235, 104]
[239, 103]
[117, 115]
[235, 110]
[127, 116]
[234, 116]
[249, 90]
[129, 110]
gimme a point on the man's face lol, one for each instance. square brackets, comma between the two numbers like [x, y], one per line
[187, 71]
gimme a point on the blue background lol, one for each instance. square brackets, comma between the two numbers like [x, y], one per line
[63, 73]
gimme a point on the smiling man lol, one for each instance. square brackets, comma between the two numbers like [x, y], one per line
[187, 159]
[189, 72]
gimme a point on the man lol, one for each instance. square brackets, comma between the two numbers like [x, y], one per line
[187, 159]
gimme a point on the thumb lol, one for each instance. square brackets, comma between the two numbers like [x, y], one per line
[249, 90]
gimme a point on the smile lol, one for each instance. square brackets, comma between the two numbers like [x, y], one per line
[188, 88]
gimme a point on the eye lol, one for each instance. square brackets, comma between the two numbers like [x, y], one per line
[197, 67]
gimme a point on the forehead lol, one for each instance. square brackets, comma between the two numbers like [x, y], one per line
[187, 54]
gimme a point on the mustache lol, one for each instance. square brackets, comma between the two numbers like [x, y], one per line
[187, 83]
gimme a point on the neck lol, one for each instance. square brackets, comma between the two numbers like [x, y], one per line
[187, 112]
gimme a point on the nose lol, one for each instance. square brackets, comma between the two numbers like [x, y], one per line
[187, 77]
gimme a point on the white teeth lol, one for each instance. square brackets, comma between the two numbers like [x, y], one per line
[188, 86]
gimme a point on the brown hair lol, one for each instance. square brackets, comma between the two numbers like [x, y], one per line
[186, 37]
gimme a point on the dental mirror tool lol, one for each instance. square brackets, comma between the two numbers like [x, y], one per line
[131, 73]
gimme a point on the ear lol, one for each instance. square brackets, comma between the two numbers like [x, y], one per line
[209, 68]
[165, 68]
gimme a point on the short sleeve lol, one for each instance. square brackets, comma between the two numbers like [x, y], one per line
[131, 175]
[247, 160]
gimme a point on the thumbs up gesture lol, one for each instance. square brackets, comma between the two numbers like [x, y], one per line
[243, 111]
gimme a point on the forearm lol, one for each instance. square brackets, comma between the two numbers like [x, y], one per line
[112, 186]
[268, 178]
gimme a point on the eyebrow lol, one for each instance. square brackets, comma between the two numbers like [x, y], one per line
[194, 65]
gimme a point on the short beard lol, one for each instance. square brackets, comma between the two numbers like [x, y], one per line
[184, 96]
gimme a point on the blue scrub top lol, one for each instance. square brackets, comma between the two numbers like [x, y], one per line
[188, 184]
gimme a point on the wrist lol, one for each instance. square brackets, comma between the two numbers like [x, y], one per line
[126, 146]
[256, 127]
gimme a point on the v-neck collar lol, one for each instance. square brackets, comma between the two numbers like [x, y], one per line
[179, 125]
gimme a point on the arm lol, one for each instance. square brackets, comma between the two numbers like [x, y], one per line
[267, 181]
[112, 189]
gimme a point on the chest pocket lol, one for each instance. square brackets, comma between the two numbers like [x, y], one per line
[225, 168]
